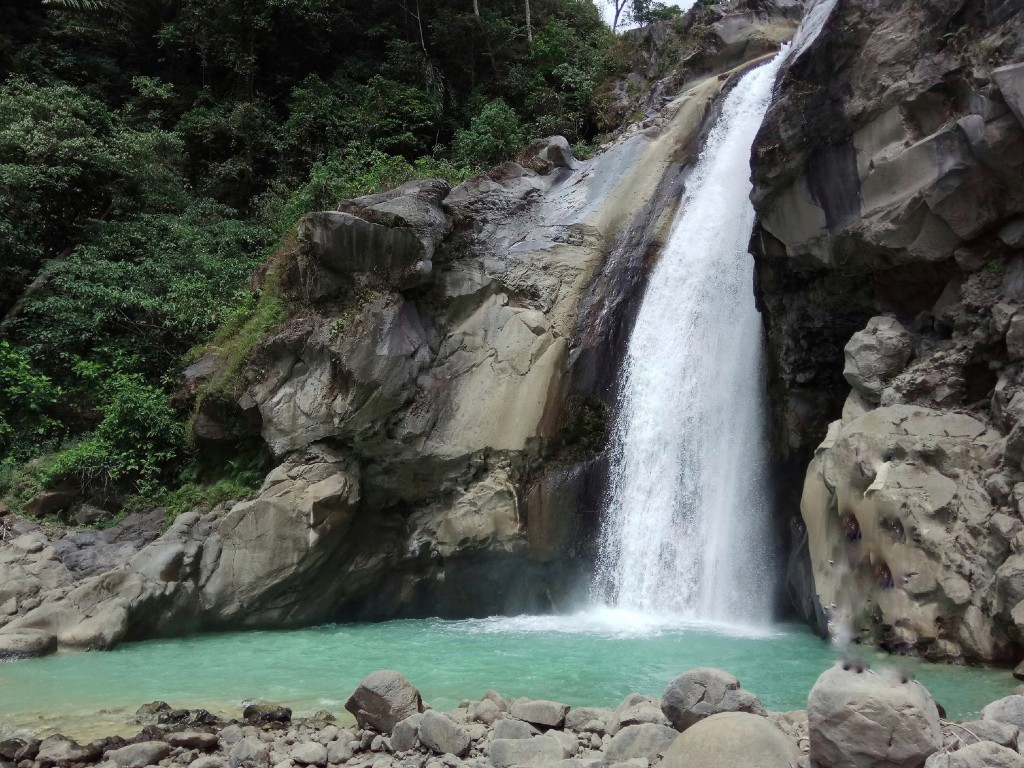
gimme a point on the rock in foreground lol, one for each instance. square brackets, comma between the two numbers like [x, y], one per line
[860, 719]
[383, 699]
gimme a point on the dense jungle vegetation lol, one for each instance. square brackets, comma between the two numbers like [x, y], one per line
[153, 153]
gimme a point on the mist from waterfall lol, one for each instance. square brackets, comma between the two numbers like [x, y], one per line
[686, 529]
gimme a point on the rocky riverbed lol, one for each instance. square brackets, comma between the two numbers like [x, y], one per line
[855, 717]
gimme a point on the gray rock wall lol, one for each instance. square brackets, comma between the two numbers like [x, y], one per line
[888, 188]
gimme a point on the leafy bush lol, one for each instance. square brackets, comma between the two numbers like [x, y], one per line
[138, 444]
[27, 401]
[495, 134]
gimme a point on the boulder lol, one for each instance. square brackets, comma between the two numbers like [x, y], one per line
[309, 753]
[192, 740]
[531, 753]
[513, 729]
[440, 734]
[139, 755]
[383, 699]
[984, 754]
[26, 643]
[635, 709]
[497, 698]
[875, 355]
[247, 749]
[548, 714]
[703, 692]
[1009, 709]
[61, 751]
[261, 713]
[485, 712]
[405, 734]
[646, 740]
[729, 740]
[339, 752]
[50, 502]
[579, 718]
[347, 244]
[860, 719]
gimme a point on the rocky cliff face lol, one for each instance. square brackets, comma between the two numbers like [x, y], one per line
[436, 404]
[888, 184]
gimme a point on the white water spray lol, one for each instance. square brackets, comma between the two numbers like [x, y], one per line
[686, 525]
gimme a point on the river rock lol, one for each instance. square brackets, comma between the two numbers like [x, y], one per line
[261, 713]
[485, 711]
[646, 740]
[549, 714]
[405, 734]
[580, 718]
[192, 740]
[960, 734]
[984, 754]
[635, 709]
[531, 753]
[249, 748]
[139, 755]
[341, 751]
[859, 719]
[440, 734]
[509, 728]
[1009, 709]
[729, 740]
[208, 761]
[703, 692]
[61, 751]
[309, 753]
[497, 698]
[383, 699]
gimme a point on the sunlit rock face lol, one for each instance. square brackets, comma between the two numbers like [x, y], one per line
[887, 185]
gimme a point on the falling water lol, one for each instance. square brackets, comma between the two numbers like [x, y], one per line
[686, 523]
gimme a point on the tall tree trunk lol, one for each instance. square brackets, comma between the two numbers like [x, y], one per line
[529, 26]
[476, 8]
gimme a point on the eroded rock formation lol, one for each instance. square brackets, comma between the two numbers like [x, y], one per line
[888, 184]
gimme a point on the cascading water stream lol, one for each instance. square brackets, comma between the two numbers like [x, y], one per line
[686, 524]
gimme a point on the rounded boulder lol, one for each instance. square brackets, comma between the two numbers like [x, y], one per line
[861, 719]
[731, 739]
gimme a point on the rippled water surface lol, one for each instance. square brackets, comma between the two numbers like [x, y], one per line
[593, 658]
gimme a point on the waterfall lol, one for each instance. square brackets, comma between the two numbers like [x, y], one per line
[686, 523]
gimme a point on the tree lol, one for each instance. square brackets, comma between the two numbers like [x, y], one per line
[529, 25]
[619, 6]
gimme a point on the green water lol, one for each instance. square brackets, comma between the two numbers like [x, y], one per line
[594, 658]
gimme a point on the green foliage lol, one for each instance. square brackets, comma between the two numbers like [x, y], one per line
[27, 400]
[238, 479]
[496, 133]
[138, 443]
[145, 290]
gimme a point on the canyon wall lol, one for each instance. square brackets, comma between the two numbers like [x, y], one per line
[890, 273]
